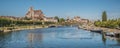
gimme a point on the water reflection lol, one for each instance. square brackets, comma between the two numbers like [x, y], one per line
[34, 38]
[104, 38]
[117, 40]
[75, 35]
[68, 37]
[3, 37]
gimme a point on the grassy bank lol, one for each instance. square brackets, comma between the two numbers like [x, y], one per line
[15, 28]
[114, 24]
[7, 24]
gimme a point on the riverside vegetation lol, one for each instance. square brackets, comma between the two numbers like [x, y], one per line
[111, 23]
[9, 24]
[6, 22]
[108, 24]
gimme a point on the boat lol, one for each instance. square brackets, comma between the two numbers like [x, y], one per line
[1, 30]
[111, 34]
[51, 26]
[97, 31]
[79, 27]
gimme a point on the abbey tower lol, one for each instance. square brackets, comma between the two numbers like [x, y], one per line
[34, 14]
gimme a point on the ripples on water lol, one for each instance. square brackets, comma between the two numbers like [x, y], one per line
[66, 37]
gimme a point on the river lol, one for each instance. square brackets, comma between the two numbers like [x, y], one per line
[62, 37]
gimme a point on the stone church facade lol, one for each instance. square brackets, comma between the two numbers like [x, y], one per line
[34, 14]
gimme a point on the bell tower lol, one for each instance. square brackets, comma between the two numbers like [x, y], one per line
[31, 8]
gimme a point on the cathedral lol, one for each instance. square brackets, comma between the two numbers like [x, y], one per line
[34, 14]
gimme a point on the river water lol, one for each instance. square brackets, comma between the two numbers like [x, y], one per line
[63, 37]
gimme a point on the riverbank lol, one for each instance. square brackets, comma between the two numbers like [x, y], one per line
[99, 28]
[109, 29]
[25, 27]
[16, 28]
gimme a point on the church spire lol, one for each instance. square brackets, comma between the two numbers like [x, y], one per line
[31, 8]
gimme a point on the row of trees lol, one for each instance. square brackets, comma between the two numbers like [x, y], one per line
[59, 19]
[113, 23]
[26, 21]
[108, 24]
[8, 22]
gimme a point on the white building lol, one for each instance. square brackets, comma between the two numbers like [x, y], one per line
[80, 20]
[50, 19]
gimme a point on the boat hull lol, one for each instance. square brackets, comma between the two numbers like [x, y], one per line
[97, 31]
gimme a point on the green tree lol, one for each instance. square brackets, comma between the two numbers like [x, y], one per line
[104, 16]
[61, 20]
[56, 17]
[4, 22]
[27, 18]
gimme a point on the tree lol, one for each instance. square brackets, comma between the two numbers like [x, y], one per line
[61, 20]
[104, 16]
[56, 17]
[4, 22]
[26, 18]
[119, 22]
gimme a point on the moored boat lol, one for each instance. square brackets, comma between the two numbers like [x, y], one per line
[113, 34]
[51, 26]
[96, 30]
[1, 30]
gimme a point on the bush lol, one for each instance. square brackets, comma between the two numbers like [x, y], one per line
[108, 24]
[4, 22]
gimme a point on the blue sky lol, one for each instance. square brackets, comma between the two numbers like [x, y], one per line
[88, 9]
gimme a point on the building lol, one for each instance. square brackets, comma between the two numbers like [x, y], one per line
[38, 15]
[34, 14]
[77, 18]
[50, 19]
[11, 17]
[80, 20]
[84, 21]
